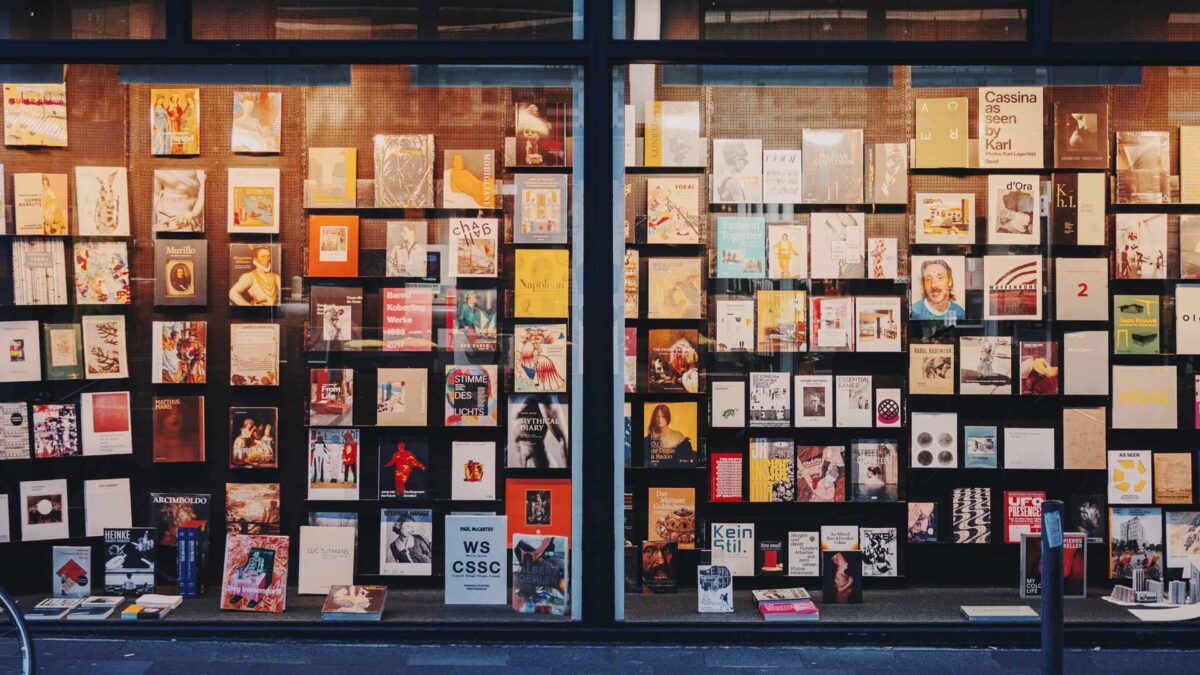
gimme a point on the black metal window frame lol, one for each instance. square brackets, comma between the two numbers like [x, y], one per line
[598, 53]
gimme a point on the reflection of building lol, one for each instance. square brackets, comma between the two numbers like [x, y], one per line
[1132, 530]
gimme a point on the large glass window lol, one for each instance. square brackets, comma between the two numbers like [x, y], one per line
[82, 19]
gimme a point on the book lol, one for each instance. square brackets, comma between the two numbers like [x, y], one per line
[404, 171]
[333, 246]
[789, 611]
[1085, 362]
[931, 369]
[1010, 127]
[831, 320]
[821, 473]
[1082, 289]
[922, 522]
[1137, 325]
[106, 503]
[1143, 397]
[407, 248]
[252, 508]
[332, 178]
[1084, 437]
[52, 609]
[1187, 312]
[741, 247]
[875, 470]
[985, 365]
[473, 247]
[1130, 477]
[725, 476]
[540, 357]
[1012, 287]
[1039, 368]
[254, 354]
[254, 274]
[886, 181]
[72, 566]
[354, 603]
[102, 201]
[934, 440]
[40, 203]
[781, 176]
[888, 411]
[540, 209]
[941, 292]
[838, 246]
[672, 134]
[632, 274]
[178, 200]
[832, 166]
[476, 548]
[883, 262]
[1086, 514]
[714, 585]
[942, 139]
[334, 466]
[254, 578]
[402, 397]
[539, 575]
[129, 561]
[814, 400]
[335, 318]
[179, 352]
[1172, 478]
[879, 551]
[673, 361]
[670, 434]
[331, 397]
[1081, 135]
[803, 560]
[35, 114]
[178, 423]
[733, 547]
[782, 321]
[21, 361]
[630, 365]
[39, 272]
[406, 542]
[1143, 167]
[188, 558]
[101, 273]
[772, 471]
[737, 171]
[771, 559]
[55, 430]
[470, 395]
[252, 203]
[404, 467]
[181, 272]
[473, 470]
[538, 431]
[326, 559]
[253, 438]
[1077, 209]
[83, 613]
[171, 512]
[673, 210]
[674, 288]
[174, 122]
[787, 251]
[1183, 548]
[471, 319]
[854, 400]
[1189, 247]
[728, 404]
[541, 131]
[1014, 210]
[1029, 448]
[1135, 541]
[542, 284]
[671, 516]
[999, 613]
[540, 506]
[770, 400]
[105, 423]
[1140, 246]
[841, 577]
[971, 514]
[256, 121]
[945, 218]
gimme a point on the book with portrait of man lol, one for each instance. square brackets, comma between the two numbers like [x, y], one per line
[1081, 134]
[938, 288]
[737, 171]
[181, 272]
[254, 278]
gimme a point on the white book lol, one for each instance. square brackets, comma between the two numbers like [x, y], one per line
[1081, 292]
[5, 534]
[21, 356]
[252, 206]
[839, 538]
[1028, 448]
[804, 554]
[105, 419]
[729, 404]
[814, 400]
[102, 201]
[782, 177]
[475, 564]
[106, 504]
[878, 324]
[1144, 397]
[473, 472]
[1130, 477]
[44, 510]
[1187, 319]
[737, 171]
[1010, 127]
[1085, 363]
[934, 440]
[1014, 210]
[735, 325]
[854, 400]
[733, 547]
[326, 558]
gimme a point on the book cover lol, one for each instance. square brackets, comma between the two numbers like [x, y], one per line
[14, 431]
[1039, 368]
[21, 361]
[1074, 583]
[1081, 135]
[407, 248]
[541, 209]
[931, 369]
[734, 325]
[886, 181]
[1135, 540]
[62, 351]
[181, 272]
[832, 322]
[72, 567]
[671, 515]
[875, 470]
[1136, 324]
[1172, 478]
[476, 548]
[256, 121]
[673, 362]
[942, 139]
[170, 511]
[251, 508]
[725, 477]
[539, 575]
[1014, 210]
[781, 180]
[842, 577]
[1143, 167]
[1130, 477]
[631, 360]
[129, 561]
[104, 416]
[256, 573]
[178, 423]
[1187, 313]
[1140, 246]
[333, 246]
[1183, 542]
[772, 471]
[737, 175]
[888, 409]
[254, 274]
[540, 506]
[672, 135]
[331, 397]
[36, 114]
[934, 440]
[1012, 287]
[469, 179]
[55, 430]
[733, 546]
[674, 288]
[821, 473]
[985, 365]
[770, 399]
[787, 251]
[473, 247]
[252, 204]
[771, 559]
[106, 503]
[540, 357]
[178, 200]
[741, 247]
[40, 203]
[1029, 448]
[670, 434]
[979, 447]
[44, 510]
[1077, 209]
[101, 273]
[471, 393]
[729, 404]
[814, 400]
[102, 201]
[971, 515]
[632, 274]
[832, 166]
[332, 178]
[473, 470]
[404, 468]
[1082, 289]
[179, 352]
[254, 354]
[922, 523]
[174, 122]
[838, 246]
[404, 171]
[945, 218]
[402, 397]
[673, 210]
[879, 551]
[1084, 437]
[1085, 362]
[541, 131]
[803, 556]
[538, 431]
[326, 558]
[854, 400]
[335, 318]
[253, 434]
[1189, 164]
[715, 589]
[782, 321]
[1143, 397]
[1010, 127]
[1087, 514]
[471, 319]
[542, 283]
[39, 272]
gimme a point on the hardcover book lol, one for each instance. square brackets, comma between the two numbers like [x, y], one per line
[39, 272]
[326, 559]
[879, 551]
[36, 114]
[540, 506]
[741, 247]
[542, 284]
[787, 251]
[942, 139]
[255, 574]
[471, 320]
[931, 369]
[674, 288]
[1130, 477]
[251, 508]
[473, 247]
[333, 246]
[1135, 540]
[1039, 368]
[922, 523]
[737, 171]
[729, 404]
[540, 215]
[632, 274]
[1010, 127]
[1074, 583]
[1137, 327]
[252, 206]
[104, 416]
[14, 433]
[833, 324]
[40, 203]
[21, 361]
[539, 575]
[1014, 210]
[335, 318]
[168, 513]
[814, 400]
[782, 321]
[469, 179]
[770, 399]
[945, 218]
[669, 438]
[771, 560]
[331, 397]
[1172, 478]
[43, 506]
[473, 470]
[1183, 546]
[174, 122]
[1143, 167]
[986, 365]
[538, 431]
[725, 476]
[332, 178]
[671, 515]
[407, 319]
[129, 561]
[101, 273]
[406, 542]
[254, 275]
[1081, 135]
[179, 352]
[476, 548]
[842, 577]
[1022, 514]
[1189, 164]
[979, 447]
[407, 248]
[402, 397]
[541, 131]
[253, 434]
[104, 355]
[832, 166]
[62, 351]
[1085, 362]
[854, 400]
[404, 171]
[886, 181]
[540, 357]
[1082, 289]
[1140, 246]
[1077, 209]
[772, 471]
[733, 546]
[178, 423]
[180, 272]
[1187, 313]
[55, 430]
[804, 560]
[934, 440]
[715, 584]
[735, 325]
[72, 567]
[1012, 287]
[875, 470]
[404, 468]
[782, 177]
[673, 134]
[470, 395]
[1084, 437]
[673, 362]
[821, 473]
[254, 354]
[673, 210]
[179, 200]
[838, 246]
[102, 201]
[1087, 514]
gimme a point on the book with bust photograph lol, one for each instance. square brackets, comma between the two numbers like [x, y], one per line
[737, 170]
[407, 248]
[253, 438]
[335, 318]
[1081, 135]
[670, 434]
[181, 272]
[875, 471]
[468, 179]
[254, 274]
[406, 542]
[939, 287]
[179, 200]
[538, 431]
[471, 319]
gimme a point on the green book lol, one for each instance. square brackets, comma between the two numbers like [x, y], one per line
[62, 351]
[1136, 328]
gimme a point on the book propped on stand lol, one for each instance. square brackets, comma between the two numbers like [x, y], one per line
[786, 604]
[999, 613]
[52, 609]
[354, 603]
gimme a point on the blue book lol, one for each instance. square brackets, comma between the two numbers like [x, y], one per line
[741, 247]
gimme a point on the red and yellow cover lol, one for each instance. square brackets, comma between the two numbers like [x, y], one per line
[333, 246]
[540, 506]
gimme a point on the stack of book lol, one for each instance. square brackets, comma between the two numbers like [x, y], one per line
[786, 604]
[151, 606]
[96, 608]
[52, 609]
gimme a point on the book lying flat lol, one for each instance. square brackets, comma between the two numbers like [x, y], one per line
[92, 613]
[52, 609]
[1000, 613]
[789, 610]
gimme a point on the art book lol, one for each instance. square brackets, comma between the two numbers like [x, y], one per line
[331, 397]
[326, 558]
[838, 246]
[540, 506]
[922, 522]
[174, 122]
[170, 511]
[333, 246]
[473, 247]
[821, 473]
[72, 567]
[14, 431]
[931, 369]
[102, 201]
[251, 508]
[333, 464]
[1084, 437]
[782, 321]
[673, 210]
[1022, 514]
[335, 318]
[875, 470]
[1140, 246]
[256, 121]
[20, 356]
[469, 179]
[832, 166]
[1077, 209]
[101, 273]
[674, 288]
[1130, 477]
[1010, 127]
[1189, 247]
[945, 218]
[39, 271]
[40, 203]
[179, 200]
[104, 355]
[541, 131]
[254, 275]
[1074, 583]
[541, 214]
[671, 515]
[942, 138]
[407, 319]
[542, 284]
[253, 201]
[985, 365]
[632, 275]
[1143, 167]
[55, 430]
[471, 319]
[407, 248]
[735, 325]
[36, 114]
[1014, 210]
[540, 357]
[180, 272]
[672, 135]
[254, 354]
[1137, 327]
[1082, 293]
[1012, 287]
[332, 178]
[814, 400]
[1135, 540]
[725, 476]
[179, 352]
[178, 424]
[729, 404]
[670, 434]
[979, 447]
[402, 397]
[256, 573]
[673, 362]
[781, 182]
[253, 438]
[737, 170]
[886, 181]
[741, 247]
[43, 506]
[772, 471]
[1172, 478]
[470, 395]
[404, 171]
[832, 322]
[787, 251]
[877, 324]
[1081, 135]
[770, 399]
[733, 547]
[473, 470]
[854, 400]
[129, 561]
[934, 440]
[879, 551]
[1144, 397]
[1039, 368]
[105, 419]
[539, 575]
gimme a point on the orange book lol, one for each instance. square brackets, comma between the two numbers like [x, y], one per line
[333, 246]
[538, 506]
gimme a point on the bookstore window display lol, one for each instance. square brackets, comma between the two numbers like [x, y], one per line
[871, 325]
[398, 295]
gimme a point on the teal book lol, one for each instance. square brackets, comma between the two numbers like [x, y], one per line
[741, 247]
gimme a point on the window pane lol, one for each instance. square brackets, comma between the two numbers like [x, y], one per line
[82, 19]
[1115, 21]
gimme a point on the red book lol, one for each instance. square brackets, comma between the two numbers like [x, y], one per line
[725, 477]
[1022, 513]
[407, 319]
[789, 610]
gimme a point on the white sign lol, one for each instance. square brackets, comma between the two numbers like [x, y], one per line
[475, 557]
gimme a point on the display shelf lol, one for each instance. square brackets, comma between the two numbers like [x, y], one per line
[659, 170]
[538, 169]
[421, 212]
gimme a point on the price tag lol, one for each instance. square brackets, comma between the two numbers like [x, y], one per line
[1052, 528]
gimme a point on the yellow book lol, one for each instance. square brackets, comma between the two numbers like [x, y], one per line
[543, 282]
[671, 515]
[942, 133]
[175, 122]
[332, 176]
[1189, 165]
[782, 321]
[35, 114]
[652, 154]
